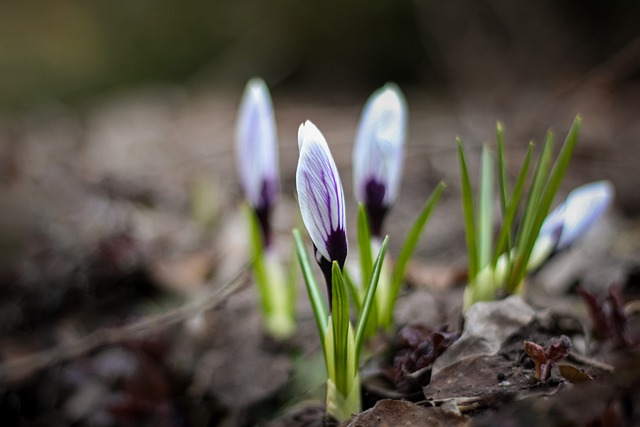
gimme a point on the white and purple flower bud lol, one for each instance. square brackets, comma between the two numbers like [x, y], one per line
[378, 153]
[257, 152]
[321, 199]
[571, 219]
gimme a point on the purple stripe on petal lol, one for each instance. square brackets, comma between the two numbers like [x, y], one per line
[264, 209]
[337, 246]
[320, 193]
[375, 205]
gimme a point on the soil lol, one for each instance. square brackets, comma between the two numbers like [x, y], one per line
[126, 297]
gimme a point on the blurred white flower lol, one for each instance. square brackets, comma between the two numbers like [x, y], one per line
[571, 219]
[378, 152]
[257, 151]
[257, 145]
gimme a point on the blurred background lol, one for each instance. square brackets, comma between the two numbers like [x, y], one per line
[73, 50]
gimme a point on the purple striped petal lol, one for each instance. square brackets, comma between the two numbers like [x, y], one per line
[321, 196]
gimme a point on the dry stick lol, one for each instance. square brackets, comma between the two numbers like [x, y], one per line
[578, 358]
[28, 364]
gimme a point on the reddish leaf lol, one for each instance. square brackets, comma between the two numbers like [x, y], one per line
[418, 348]
[536, 353]
[597, 314]
[618, 319]
[608, 317]
[558, 348]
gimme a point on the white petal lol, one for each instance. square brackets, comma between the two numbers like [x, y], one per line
[320, 192]
[256, 140]
[552, 226]
[569, 220]
[583, 207]
[379, 146]
[542, 249]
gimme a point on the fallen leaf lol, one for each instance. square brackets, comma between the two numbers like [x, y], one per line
[573, 374]
[487, 326]
[418, 347]
[394, 413]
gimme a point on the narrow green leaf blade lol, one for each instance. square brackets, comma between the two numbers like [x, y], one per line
[364, 245]
[354, 291]
[533, 201]
[546, 198]
[485, 214]
[409, 245]
[257, 261]
[469, 220]
[292, 283]
[317, 302]
[503, 181]
[363, 316]
[341, 323]
[503, 244]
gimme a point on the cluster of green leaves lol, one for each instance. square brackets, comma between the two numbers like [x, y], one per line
[390, 281]
[277, 292]
[340, 344]
[500, 263]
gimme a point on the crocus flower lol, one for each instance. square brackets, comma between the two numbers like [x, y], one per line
[566, 223]
[321, 199]
[256, 149]
[378, 152]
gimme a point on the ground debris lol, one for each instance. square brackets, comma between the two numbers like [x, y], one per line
[393, 413]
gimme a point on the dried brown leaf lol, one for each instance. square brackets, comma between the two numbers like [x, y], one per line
[573, 374]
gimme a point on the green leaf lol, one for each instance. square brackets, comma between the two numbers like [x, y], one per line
[364, 244]
[546, 197]
[315, 296]
[503, 244]
[257, 261]
[341, 324]
[485, 214]
[369, 297]
[533, 201]
[354, 291]
[409, 245]
[292, 284]
[329, 348]
[503, 182]
[469, 220]
[341, 407]
[366, 265]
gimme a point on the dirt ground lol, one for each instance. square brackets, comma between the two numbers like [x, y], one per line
[125, 298]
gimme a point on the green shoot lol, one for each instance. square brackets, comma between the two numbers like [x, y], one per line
[341, 346]
[503, 265]
[277, 292]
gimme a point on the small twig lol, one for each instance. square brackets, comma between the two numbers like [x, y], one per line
[462, 403]
[632, 308]
[590, 362]
[26, 365]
